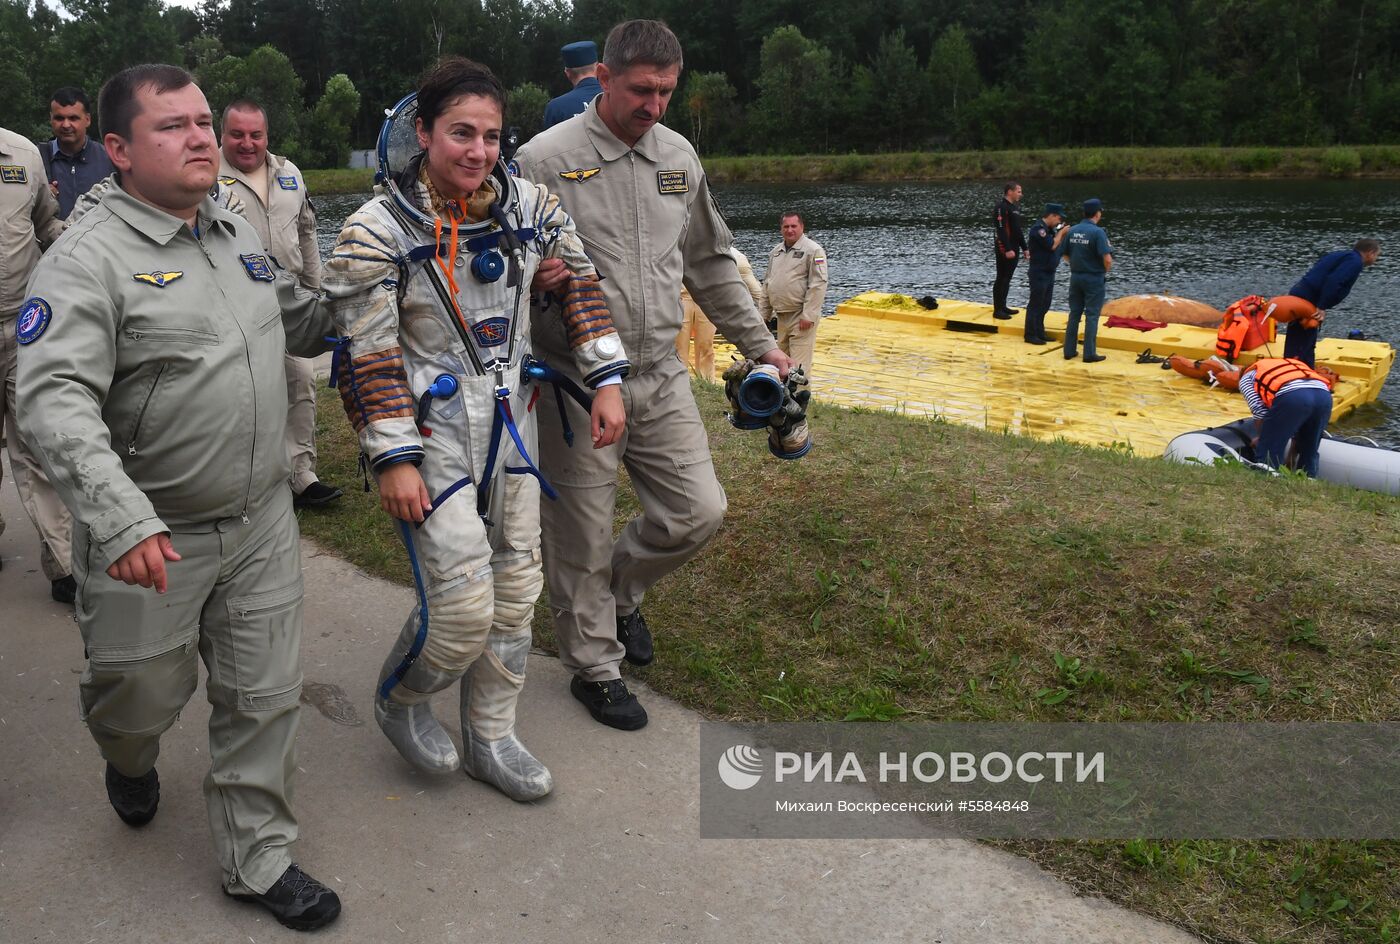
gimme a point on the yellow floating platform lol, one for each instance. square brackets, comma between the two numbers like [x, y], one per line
[957, 362]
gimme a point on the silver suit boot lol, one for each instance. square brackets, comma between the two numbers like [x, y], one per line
[491, 751]
[406, 716]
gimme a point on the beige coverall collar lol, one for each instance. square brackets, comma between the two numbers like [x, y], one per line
[159, 226]
[607, 144]
[272, 166]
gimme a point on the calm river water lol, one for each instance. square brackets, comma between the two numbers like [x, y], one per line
[1210, 240]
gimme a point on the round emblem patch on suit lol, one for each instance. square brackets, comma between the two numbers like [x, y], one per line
[32, 320]
[609, 345]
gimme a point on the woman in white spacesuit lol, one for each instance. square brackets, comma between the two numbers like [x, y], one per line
[430, 284]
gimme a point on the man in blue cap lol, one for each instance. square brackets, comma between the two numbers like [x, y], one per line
[1044, 248]
[580, 68]
[1090, 259]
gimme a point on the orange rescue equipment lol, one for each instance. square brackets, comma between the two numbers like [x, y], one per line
[1212, 370]
[1289, 308]
[1272, 373]
[1246, 325]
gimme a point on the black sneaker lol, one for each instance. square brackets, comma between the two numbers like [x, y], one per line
[297, 900]
[1011, 311]
[316, 494]
[1002, 315]
[635, 637]
[64, 590]
[1094, 358]
[610, 703]
[134, 798]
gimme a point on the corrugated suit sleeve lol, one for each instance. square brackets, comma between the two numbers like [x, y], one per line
[361, 278]
[63, 381]
[713, 279]
[593, 339]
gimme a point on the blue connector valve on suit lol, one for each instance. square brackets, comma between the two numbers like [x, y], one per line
[488, 266]
[443, 388]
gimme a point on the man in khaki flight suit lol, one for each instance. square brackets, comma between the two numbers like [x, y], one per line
[695, 325]
[275, 201]
[28, 220]
[638, 195]
[155, 326]
[796, 287]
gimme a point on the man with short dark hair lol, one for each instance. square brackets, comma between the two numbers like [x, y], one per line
[1325, 286]
[155, 326]
[1044, 256]
[1010, 245]
[73, 161]
[581, 69]
[639, 197]
[274, 198]
[794, 290]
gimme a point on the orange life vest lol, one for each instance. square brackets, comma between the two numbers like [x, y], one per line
[1246, 325]
[1271, 374]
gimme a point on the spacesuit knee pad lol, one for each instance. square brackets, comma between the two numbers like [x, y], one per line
[459, 617]
[518, 582]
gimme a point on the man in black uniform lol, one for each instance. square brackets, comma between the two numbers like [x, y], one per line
[1044, 254]
[1010, 246]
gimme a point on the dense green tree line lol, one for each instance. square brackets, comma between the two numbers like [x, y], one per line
[773, 75]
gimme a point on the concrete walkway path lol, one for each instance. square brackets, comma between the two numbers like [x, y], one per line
[614, 855]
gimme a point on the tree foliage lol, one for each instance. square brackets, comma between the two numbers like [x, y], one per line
[781, 75]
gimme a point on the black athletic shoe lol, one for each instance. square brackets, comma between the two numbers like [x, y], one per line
[635, 637]
[1094, 359]
[610, 703]
[1011, 311]
[64, 590]
[134, 798]
[1002, 315]
[297, 900]
[316, 494]
[1036, 341]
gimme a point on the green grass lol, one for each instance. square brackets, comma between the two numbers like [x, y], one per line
[338, 180]
[1064, 163]
[915, 570]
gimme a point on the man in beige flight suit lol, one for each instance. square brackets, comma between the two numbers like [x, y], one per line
[154, 328]
[28, 220]
[695, 325]
[638, 195]
[796, 287]
[275, 201]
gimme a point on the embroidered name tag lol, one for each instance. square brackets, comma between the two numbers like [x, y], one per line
[259, 269]
[158, 279]
[672, 181]
[287, 183]
[33, 318]
[491, 332]
[14, 174]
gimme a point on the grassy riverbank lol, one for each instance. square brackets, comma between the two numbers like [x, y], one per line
[1088, 163]
[916, 570]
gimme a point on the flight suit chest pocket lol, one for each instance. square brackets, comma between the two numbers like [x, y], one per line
[259, 658]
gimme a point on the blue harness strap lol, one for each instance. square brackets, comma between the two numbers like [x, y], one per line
[411, 656]
[503, 421]
[476, 244]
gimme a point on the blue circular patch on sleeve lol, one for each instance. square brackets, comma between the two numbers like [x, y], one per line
[33, 319]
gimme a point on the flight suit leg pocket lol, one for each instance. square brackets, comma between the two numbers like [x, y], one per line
[258, 650]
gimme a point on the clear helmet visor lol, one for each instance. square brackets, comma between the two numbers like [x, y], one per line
[400, 157]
